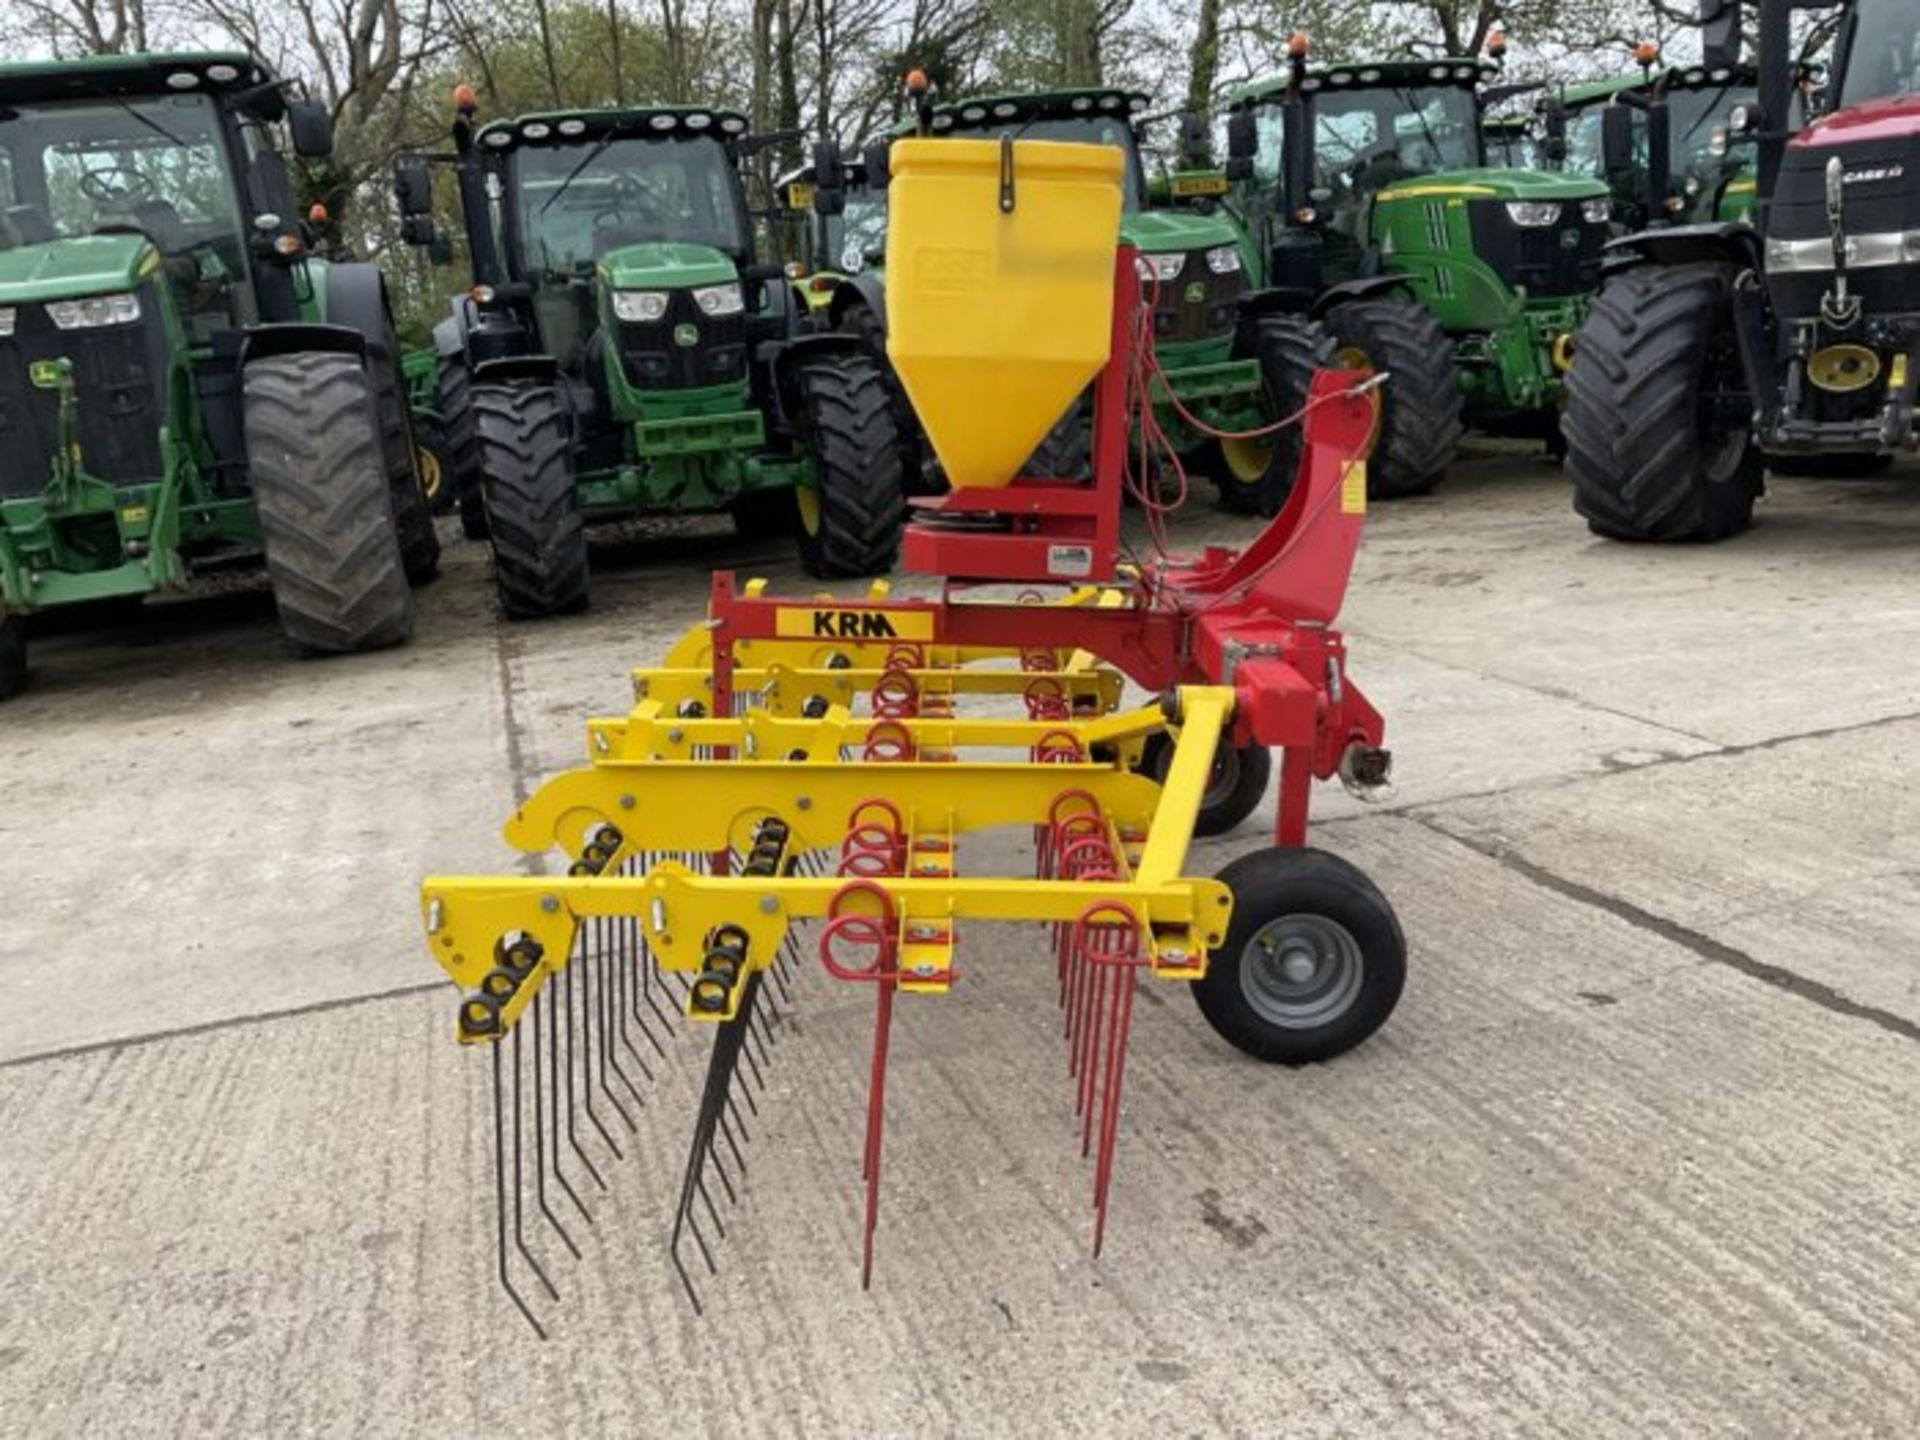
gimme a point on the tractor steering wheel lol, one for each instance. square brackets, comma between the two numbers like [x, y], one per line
[134, 185]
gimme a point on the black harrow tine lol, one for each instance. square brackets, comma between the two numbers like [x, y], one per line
[553, 1085]
[609, 1062]
[536, 1018]
[500, 1196]
[716, 1095]
[586, 1058]
[642, 992]
[573, 1111]
[519, 1231]
[625, 1004]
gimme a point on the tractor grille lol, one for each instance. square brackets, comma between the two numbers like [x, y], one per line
[654, 360]
[119, 374]
[1198, 305]
[1551, 261]
[1887, 204]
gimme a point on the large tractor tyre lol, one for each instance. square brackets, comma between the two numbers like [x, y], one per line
[412, 512]
[321, 488]
[917, 473]
[1313, 961]
[1419, 429]
[1235, 784]
[13, 656]
[1255, 476]
[526, 477]
[851, 519]
[1067, 452]
[1830, 467]
[460, 458]
[1658, 445]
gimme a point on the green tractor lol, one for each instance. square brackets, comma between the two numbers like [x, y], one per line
[621, 352]
[184, 387]
[1224, 358]
[1367, 199]
[1513, 142]
[833, 247]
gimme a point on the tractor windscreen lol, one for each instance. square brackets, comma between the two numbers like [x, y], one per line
[1695, 116]
[857, 236]
[155, 164]
[1365, 140]
[1884, 58]
[575, 203]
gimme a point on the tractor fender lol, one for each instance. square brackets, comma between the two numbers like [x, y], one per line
[866, 289]
[1732, 243]
[264, 341]
[1280, 300]
[1361, 288]
[355, 296]
[792, 353]
[516, 367]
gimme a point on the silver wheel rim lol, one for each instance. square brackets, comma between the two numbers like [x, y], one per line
[1300, 972]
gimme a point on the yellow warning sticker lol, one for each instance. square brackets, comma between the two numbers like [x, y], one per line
[1353, 488]
[810, 622]
[134, 515]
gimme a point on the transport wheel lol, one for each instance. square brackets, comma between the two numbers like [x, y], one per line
[1830, 467]
[1235, 785]
[1419, 430]
[765, 514]
[412, 514]
[526, 477]
[321, 489]
[13, 656]
[851, 519]
[921, 477]
[460, 457]
[1255, 477]
[1313, 961]
[1658, 446]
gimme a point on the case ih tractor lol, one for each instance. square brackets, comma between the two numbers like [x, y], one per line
[1717, 349]
[183, 387]
[1225, 359]
[1370, 206]
[621, 352]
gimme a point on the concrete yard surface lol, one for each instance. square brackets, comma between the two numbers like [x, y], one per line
[1639, 1153]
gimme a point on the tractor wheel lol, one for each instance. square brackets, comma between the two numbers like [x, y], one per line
[460, 457]
[1658, 446]
[1419, 430]
[1235, 786]
[13, 656]
[526, 477]
[322, 491]
[1067, 452]
[412, 513]
[920, 477]
[1313, 961]
[1830, 467]
[1256, 476]
[851, 519]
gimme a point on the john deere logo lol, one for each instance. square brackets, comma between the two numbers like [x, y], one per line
[686, 334]
[1569, 239]
[1196, 292]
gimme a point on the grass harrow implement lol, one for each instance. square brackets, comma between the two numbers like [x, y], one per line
[860, 782]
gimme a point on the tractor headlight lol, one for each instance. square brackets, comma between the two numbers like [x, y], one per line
[720, 299]
[7, 316]
[1224, 260]
[1534, 214]
[1596, 212]
[95, 311]
[640, 306]
[1164, 268]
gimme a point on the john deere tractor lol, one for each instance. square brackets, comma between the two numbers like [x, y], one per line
[620, 351]
[1233, 362]
[183, 387]
[1720, 348]
[1368, 202]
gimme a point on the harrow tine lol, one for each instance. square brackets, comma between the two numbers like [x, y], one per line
[553, 1085]
[537, 1022]
[876, 1120]
[519, 1230]
[642, 992]
[603, 1017]
[710, 1121]
[586, 1058]
[626, 1005]
[500, 1196]
[573, 1108]
[615, 1018]
[1119, 1027]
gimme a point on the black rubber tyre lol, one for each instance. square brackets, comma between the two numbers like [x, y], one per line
[1420, 423]
[460, 456]
[765, 514]
[1657, 441]
[1313, 961]
[526, 477]
[1067, 452]
[13, 656]
[412, 514]
[1830, 467]
[1234, 789]
[321, 490]
[919, 474]
[1255, 477]
[852, 520]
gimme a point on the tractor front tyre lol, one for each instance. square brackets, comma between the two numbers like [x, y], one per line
[1658, 445]
[460, 457]
[321, 488]
[1313, 961]
[1256, 475]
[852, 516]
[412, 511]
[1419, 426]
[526, 478]
[13, 656]
[1235, 784]
[919, 478]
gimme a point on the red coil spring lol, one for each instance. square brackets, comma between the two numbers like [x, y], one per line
[1046, 699]
[1058, 747]
[888, 741]
[874, 846]
[896, 695]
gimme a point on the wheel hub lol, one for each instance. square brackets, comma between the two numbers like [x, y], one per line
[1301, 971]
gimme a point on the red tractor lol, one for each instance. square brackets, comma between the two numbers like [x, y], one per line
[1715, 351]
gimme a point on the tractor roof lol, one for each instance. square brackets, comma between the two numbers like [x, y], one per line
[571, 127]
[1680, 77]
[1517, 122]
[174, 72]
[976, 110]
[1373, 75]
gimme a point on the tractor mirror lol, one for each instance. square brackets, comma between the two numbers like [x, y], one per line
[1243, 142]
[1195, 143]
[829, 179]
[312, 129]
[1616, 139]
[440, 248]
[875, 163]
[413, 187]
[1719, 33]
[419, 230]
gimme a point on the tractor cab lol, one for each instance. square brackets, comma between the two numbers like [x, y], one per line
[842, 234]
[1512, 142]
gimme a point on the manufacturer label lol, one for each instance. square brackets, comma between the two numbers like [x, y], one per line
[833, 623]
[1877, 172]
[1183, 185]
[955, 271]
[1196, 292]
[1075, 562]
[688, 335]
[134, 515]
[1353, 488]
